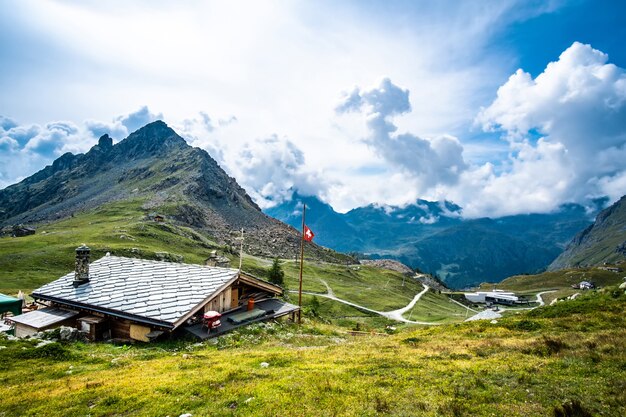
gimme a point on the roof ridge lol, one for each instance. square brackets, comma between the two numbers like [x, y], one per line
[164, 262]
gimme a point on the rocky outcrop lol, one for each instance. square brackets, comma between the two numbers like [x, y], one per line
[603, 241]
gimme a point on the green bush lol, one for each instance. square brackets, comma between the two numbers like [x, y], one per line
[49, 351]
[276, 274]
[524, 325]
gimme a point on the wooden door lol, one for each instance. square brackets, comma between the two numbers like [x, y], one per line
[234, 298]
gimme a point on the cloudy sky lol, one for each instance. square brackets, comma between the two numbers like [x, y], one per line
[501, 106]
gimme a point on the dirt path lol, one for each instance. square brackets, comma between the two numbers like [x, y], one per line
[329, 291]
[540, 300]
[392, 315]
[397, 314]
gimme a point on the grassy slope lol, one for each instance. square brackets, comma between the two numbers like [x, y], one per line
[375, 288]
[437, 308]
[122, 229]
[561, 281]
[528, 365]
[28, 262]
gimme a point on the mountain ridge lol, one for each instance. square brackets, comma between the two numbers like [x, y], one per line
[153, 164]
[435, 238]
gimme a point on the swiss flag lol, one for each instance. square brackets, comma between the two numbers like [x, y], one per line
[308, 234]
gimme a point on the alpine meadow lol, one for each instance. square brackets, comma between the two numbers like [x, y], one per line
[270, 208]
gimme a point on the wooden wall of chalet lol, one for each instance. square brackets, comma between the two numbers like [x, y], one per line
[120, 328]
[222, 302]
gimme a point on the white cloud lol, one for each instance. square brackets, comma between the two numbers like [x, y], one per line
[121, 126]
[271, 169]
[578, 108]
[432, 161]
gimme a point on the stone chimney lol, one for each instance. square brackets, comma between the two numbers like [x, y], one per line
[81, 273]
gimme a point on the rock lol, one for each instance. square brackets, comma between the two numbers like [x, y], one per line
[186, 415]
[264, 364]
[622, 285]
[65, 333]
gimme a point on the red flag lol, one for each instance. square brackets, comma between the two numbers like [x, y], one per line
[308, 234]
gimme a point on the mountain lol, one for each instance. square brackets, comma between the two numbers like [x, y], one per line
[369, 228]
[434, 237]
[603, 241]
[463, 254]
[157, 168]
[331, 228]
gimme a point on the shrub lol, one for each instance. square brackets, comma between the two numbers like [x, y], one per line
[276, 274]
[571, 409]
[49, 351]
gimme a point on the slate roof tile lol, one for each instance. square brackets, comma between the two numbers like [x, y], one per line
[152, 289]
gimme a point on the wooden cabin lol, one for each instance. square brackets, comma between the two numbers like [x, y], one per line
[127, 298]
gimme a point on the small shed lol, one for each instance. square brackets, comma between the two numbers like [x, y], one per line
[36, 321]
[10, 304]
[156, 217]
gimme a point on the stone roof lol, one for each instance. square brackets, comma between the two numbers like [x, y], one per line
[157, 292]
[45, 317]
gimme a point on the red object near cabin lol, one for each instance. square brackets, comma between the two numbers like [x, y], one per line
[212, 320]
[250, 304]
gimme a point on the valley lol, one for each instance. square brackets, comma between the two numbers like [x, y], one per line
[434, 237]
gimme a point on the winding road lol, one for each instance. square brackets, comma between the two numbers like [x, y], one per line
[392, 315]
[397, 315]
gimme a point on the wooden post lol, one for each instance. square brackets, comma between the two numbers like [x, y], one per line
[301, 265]
[241, 251]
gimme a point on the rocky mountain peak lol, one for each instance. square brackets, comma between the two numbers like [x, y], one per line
[105, 142]
[154, 138]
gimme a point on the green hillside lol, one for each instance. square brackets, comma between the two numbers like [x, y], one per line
[565, 360]
[121, 228]
[435, 307]
[603, 241]
[559, 281]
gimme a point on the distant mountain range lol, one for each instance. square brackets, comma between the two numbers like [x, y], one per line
[603, 241]
[155, 167]
[434, 237]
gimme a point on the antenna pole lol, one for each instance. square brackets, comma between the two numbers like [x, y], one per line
[241, 251]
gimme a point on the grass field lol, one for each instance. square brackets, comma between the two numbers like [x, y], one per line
[437, 308]
[564, 360]
[378, 289]
[532, 284]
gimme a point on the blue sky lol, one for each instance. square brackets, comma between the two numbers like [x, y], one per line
[500, 106]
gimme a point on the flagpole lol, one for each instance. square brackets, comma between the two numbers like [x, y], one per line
[301, 265]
